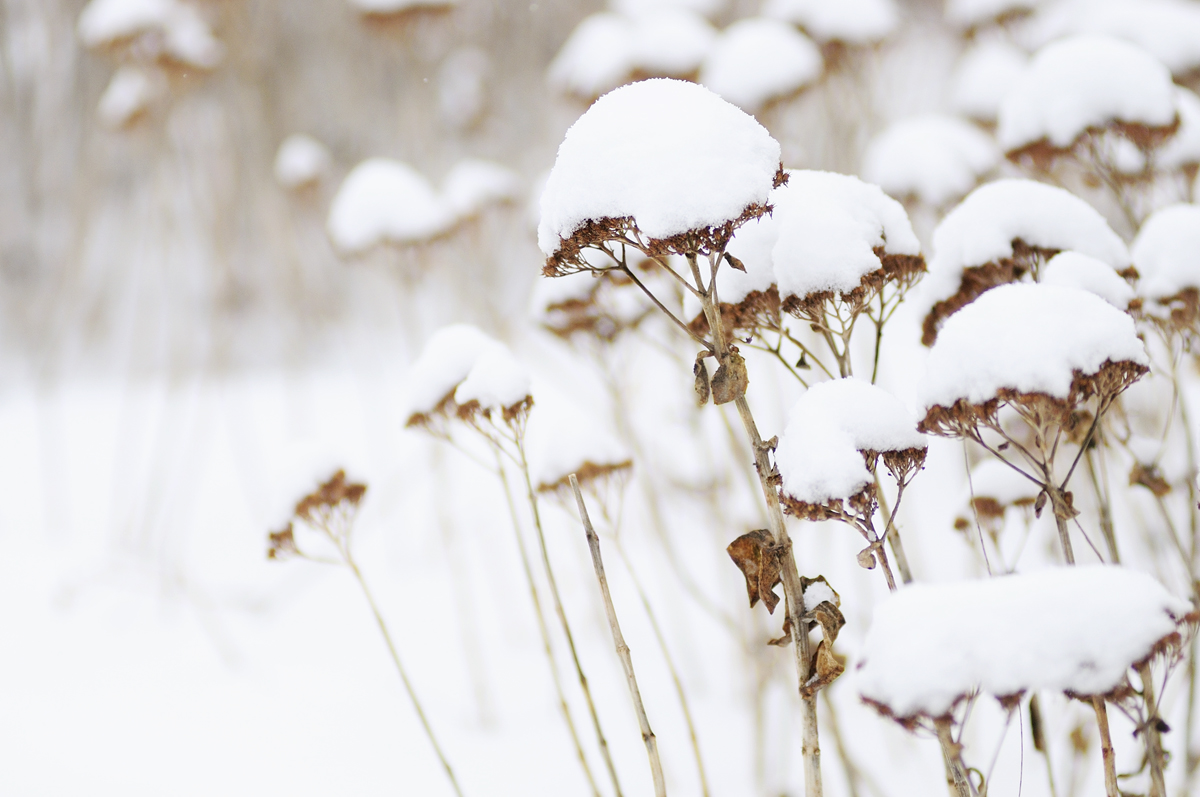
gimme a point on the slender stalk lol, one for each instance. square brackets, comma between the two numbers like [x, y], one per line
[544, 630]
[1106, 521]
[562, 615]
[956, 771]
[893, 535]
[1106, 748]
[648, 737]
[412, 695]
[1151, 733]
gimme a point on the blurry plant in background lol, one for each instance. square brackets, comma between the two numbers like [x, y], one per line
[246, 244]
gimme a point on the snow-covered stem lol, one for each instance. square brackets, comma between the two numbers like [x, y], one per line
[956, 772]
[1151, 733]
[543, 629]
[1107, 753]
[408, 687]
[651, 742]
[561, 612]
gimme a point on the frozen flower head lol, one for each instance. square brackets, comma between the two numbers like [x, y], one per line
[1166, 254]
[661, 167]
[1004, 232]
[329, 510]
[599, 306]
[463, 374]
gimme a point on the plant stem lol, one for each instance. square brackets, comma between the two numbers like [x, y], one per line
[562, 615]
[412, 695]
[648, 737]
[1152, 735]
[959, 783]
[893, 535]
[1106, 748]
[544, 630]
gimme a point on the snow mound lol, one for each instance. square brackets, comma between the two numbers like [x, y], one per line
[1167, 29]
[984, 225]
[752, 244]
[174, 29]
[936, 158]
[969, 13]
[496, 381]
[984, 76]
[1085, 82]
[849, 21]
[385, 200]
[128, 95]
[1183, 148]
[671, 155]
[1029, 338]
[756, 60]
[606, 48]
[1075, 270]
[567, 436]
[301, 160]
[1166, 251]
[818, 452]
[1074, 629]
[829, 227]
[399, 6]
[474, 184]
[461, 361]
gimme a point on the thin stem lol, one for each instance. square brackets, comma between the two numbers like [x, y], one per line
[687, 330]
[1106, 748]
[412, 695]
[956, 771]
[648, 737]
[562, 616]
[1151, 734]
[1106, 521]
[893, 533]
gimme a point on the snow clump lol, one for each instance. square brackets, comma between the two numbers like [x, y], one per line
[1074, 629]
[935, 158]
[848, 21]
[1075, 270]
[1183, 148]
[984, 76]
[1081, 83]
[671, 156]
[818, 453]
[462, 364]
[301, 160]
[473, 184]
[757, 60]
[1166, 251]
[169, 28]
[1027, 338]
[384, 200]
[970, 13]
[128, 95]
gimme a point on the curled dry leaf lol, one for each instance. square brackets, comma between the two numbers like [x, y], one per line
[1039, 504]
[734, 263]
[703, 390]
[730, 381]
[1150, 477]
[866, 559]
[757, 556]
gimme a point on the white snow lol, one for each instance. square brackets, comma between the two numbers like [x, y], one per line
[129, 93]
[184, 35]
[397, 6]
[752, 244]
[1166, 251]
[849, 21]
[819, 592]
[756, 60]
[672, 155]
[301, 160]
[1075, 270]
[385, 200]
[984, 225]
[987, 72]
[818, 453]
[1167, 29]
[1083, 82]
[633, 8]
[497, 380]
[1183, 148]
[829, 226]
[473, 184]
[447, 359]
[606, 48]
[936, 158]
[993, 479]
[565, 433]
[969, 13]
[1071, 628]
[1026, 337]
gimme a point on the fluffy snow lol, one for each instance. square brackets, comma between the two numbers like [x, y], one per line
[301, 160]
[129, 93]
[993, 479]
[969, 13]
[1166, 251]
[818, 452]
[756, 60]
[752, 244]
[185, 36]
[849, 21]
[1082, 82]
[606, 48]
[986, 73]
[473, 184]
[496, 380]
[1075, 270]
[397, 6]
[1071, 628]
[1183, 148]
[445, 362]
[936, 158]
[829, 226]
[385, 200]
[1026, 337]
[1167, 29]
[564, 434]
[672, 155]
[984, 225]
[819, 592]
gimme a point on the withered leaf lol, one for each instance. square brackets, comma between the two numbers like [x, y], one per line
[703, 391]
[735, 263]
[1039, 504]
[1064, 505]
[757, 556]
[826, 667]
[730, 381]
[1150, 477]
[866, 559]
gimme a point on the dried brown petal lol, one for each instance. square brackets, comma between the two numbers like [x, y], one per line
[730, 381]
[866, 559]
[1150, 477]
[758, 557]
[703, 388]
